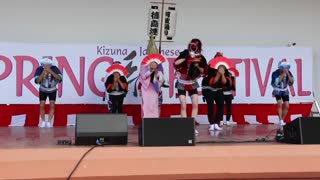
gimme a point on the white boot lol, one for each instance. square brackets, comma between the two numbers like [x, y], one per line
[282, 123]
[48, 125]
[211, 128]
[42, 124]
[216, 133]
[228, 123]
[216, 127]
[195, 131]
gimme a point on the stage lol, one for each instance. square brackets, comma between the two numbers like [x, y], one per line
[34, 137]
[234, 153]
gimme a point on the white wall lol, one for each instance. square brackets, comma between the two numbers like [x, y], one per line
[262, 23]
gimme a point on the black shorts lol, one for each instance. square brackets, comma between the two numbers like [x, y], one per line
[190, 92]
[284, 98]
[183, 88]
[43, 96]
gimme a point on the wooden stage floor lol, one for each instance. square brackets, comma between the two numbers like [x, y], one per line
[34, 137]
[33, 153]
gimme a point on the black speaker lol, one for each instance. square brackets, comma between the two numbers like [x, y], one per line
[302, 130]
[101, 129]
[167, 132]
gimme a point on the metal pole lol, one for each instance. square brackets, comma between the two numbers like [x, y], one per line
[161, 22]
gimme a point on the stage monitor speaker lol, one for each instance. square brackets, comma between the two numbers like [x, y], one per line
[302, 130]
[167, 132]
[101, 129]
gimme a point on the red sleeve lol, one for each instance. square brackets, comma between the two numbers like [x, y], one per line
[109, 87]
[211, 81]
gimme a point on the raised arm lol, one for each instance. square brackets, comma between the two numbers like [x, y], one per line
[39, 75]
[54, 71]
[290, 77]
[145, 72]
[181, 58]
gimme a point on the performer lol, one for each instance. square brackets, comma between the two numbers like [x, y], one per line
[212, 92]
[151, 80]
[189, 66]
[152, 49]
[160, 76]
[228, 89]
[281, 79]
[47, 76]
[219, 61]
[116, 86]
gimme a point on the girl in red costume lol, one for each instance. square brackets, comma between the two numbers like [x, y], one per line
[189, 66]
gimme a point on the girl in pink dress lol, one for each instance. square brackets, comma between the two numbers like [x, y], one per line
[151, 80]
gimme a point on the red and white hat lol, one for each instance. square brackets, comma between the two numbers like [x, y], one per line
[117, 68]
[158, 58]
[234, 72]
[220, 60]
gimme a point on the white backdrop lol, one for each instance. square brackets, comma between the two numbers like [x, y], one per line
[253, 23]
[87, 89]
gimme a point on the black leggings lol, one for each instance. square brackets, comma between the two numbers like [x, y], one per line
[211, 97]
[228, 101]
[117, 101]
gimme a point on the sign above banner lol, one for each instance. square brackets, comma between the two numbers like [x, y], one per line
[84, 69]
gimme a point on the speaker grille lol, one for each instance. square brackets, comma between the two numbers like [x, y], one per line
[110, 128]
[303, 130]
[167, 132]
